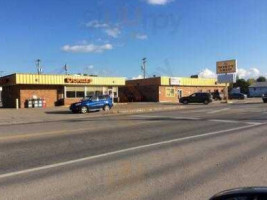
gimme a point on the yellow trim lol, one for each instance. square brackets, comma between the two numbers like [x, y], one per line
[45, 79]
[165, 81]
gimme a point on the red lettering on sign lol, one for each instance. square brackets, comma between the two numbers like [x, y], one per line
[72, 80]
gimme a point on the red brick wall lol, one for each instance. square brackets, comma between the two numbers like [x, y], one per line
[144, 82]
[51, 94]
[69, 101]
[139, 94]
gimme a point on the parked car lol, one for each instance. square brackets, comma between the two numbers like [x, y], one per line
[250, 193]
[239, 96]
[197, 98]
[264, 98]
[92, 104]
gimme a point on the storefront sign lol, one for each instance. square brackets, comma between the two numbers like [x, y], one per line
[175, 81]
[72, 80]
[226, 78]
[228, 66]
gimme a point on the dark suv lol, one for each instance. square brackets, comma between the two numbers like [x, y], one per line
[264, 98]
[197, 98]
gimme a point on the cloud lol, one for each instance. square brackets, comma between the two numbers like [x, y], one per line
[90, 48]
[113, 32]
[207, 73]
[249, 73]
[109, 29]
[138, 77]
[96, 24]
[158, 2]
[241, 72]
[141, 36]
[90, 67]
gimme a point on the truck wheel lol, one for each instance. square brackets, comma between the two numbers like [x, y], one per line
[106, 108]
[84, 109]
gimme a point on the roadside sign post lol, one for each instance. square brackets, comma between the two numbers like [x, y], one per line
[226, 71]
[226, 93]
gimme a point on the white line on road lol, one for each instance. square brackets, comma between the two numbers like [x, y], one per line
[46, 167]
[217, 111]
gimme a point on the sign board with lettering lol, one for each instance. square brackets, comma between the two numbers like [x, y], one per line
[77, 80]
[175, 81]
[227, 78]
[225, 67]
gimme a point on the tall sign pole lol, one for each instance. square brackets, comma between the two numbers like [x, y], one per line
[226, 71]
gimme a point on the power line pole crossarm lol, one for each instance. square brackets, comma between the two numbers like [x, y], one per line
[144, 67]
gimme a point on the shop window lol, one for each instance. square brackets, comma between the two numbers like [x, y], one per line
[170, 92]
[98, 93]
[90, 94]
[70, 94]
[80, 94]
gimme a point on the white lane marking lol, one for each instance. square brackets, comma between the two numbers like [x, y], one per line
[225, 121]
[217, 111]
[46, 167]
[235, 121]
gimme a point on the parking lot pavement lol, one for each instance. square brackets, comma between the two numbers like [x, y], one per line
[13, 116]
[179, 154]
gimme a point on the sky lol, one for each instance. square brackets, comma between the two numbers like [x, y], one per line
[110, 37]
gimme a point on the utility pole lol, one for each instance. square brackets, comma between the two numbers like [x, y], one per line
[143, 67]
[66, 69]
[38, 66]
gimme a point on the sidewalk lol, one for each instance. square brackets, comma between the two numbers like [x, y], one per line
[23, 116]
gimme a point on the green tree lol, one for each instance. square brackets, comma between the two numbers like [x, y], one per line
[261, 79]
[243, 85]
[251, 81]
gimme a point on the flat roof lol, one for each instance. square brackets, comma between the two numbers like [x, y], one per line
[259, 85]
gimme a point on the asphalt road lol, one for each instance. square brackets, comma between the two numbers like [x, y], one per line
[187, 154]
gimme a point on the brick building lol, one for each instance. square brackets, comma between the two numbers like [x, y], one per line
[55, 89]
[165, 89]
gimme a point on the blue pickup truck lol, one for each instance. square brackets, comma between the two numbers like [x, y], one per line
[92, 104]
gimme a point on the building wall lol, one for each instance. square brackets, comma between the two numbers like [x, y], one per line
[257, 91]
[185, 91]
[148, 93]
[9, 96]
[51, 94]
